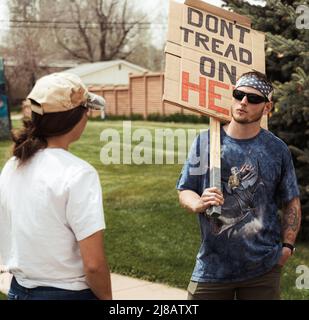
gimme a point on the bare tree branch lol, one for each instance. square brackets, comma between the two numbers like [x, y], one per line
[111, 8]
[115, 27]
[72, 52]
[83, 33]
[103, 27]
[126, 28]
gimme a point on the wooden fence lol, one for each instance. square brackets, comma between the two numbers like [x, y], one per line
[142, 96]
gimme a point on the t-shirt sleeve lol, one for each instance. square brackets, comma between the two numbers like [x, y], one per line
[288, 187]
[84, 210]
[194, 171]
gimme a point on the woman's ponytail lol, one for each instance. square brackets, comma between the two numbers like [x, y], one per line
[27, 142]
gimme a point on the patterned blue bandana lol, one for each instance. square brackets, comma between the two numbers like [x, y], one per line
[253, 82]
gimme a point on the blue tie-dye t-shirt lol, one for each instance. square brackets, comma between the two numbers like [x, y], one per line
[257, 177]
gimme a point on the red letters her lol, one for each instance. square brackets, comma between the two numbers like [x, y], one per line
[201, 89]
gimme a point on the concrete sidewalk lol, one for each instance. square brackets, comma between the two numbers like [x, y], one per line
[126, 288]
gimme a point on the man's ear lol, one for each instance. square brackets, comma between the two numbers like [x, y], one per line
[268, 107]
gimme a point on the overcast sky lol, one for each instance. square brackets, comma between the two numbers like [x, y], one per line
[154, 3]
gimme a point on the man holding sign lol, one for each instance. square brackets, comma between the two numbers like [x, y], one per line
[244, 248]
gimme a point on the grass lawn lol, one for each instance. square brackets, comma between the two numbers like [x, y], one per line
[148, 235]
[2, 296]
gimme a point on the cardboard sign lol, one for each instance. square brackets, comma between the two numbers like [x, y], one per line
[207, 49]
[4, 111]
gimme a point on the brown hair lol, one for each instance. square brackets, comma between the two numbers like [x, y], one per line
[33, 136]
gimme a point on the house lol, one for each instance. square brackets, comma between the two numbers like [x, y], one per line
[115, 72]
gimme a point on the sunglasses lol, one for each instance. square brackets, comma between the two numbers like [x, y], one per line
[251, 97]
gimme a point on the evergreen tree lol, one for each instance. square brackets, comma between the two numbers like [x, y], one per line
[287, 65]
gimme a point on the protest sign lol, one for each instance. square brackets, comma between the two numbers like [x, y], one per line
[207, 49]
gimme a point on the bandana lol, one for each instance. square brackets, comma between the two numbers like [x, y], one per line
[252, 81]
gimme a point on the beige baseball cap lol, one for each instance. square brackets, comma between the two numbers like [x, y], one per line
[59, 92]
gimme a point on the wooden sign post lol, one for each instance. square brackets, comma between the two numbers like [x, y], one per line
[215, 161]
[207, 49]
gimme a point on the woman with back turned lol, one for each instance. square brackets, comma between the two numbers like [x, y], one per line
[51, 210]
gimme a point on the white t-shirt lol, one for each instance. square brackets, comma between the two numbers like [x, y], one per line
[46, 207]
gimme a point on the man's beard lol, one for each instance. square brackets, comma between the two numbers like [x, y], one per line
[257, 118]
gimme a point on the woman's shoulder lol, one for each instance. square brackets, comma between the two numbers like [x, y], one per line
[10, 163]
[64, 162]
[7, 170]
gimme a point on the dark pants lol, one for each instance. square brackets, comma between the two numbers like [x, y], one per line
[18, 292]
[265, 287]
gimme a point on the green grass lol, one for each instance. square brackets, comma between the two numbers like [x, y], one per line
[2, 296]
[148, 235]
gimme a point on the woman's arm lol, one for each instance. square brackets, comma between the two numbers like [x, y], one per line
[95, 266]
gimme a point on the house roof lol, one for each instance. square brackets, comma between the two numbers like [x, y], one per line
[88, 68]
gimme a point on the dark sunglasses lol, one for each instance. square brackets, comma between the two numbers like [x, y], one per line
[251, 97]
